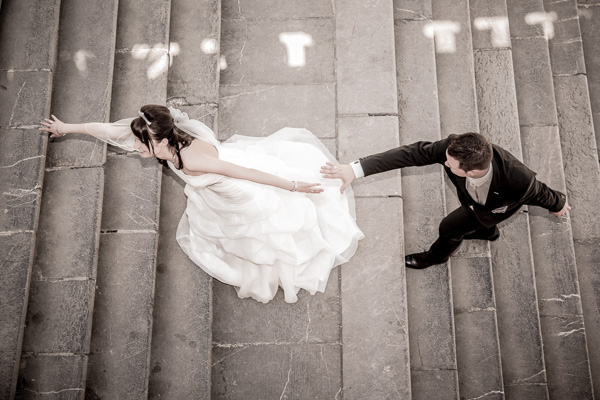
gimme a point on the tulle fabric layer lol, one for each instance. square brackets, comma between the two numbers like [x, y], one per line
[258, 238]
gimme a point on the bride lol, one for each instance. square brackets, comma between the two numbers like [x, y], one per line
[245, 222]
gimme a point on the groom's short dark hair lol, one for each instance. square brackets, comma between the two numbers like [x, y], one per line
[472, 151]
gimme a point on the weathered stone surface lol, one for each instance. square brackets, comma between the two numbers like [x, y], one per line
[489, 24]
[423, 195]
[516, 305]
[21, 173]
[67, 239]
[28, 33]
[477, 354]
[472, 284]
[533, 82]
[551, 238]
[430, 319]
[313, 319]
[52, 377]
[182, 317]
[131, 193]
[8, 374]
[417, 91]
[121, 330]
[257, 53]
[527, 19]
[590, 32]
[25, 97]
[248, 9]
[139, 78]
[525, 391]
[83, 79]
[16, 253]
[57, 316]
[496, 99]
[412, 9]
[374, 320]
[566, 51]
[362, 136]
[262, 110]
[566, 357]
[194, 70]
[143, 23]
[434, 385]
[588, 259]
[365, 57]
[294, 371]
[580, 154]
[454, 67]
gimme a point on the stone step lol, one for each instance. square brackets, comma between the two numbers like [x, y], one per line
[429, 291]
[64, 271]
[28, 39]
[588, 11]
[119, 361]
[522, 358]
[579, 151]
[373, 282]
[268, 83]
[182, 319]
[565, 352]
[477, 345]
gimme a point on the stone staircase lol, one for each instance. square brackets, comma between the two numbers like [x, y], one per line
[98, 301]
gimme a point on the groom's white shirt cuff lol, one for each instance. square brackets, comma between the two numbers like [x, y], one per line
[358, 171]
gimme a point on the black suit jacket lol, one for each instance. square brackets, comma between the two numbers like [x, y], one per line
[512, 186]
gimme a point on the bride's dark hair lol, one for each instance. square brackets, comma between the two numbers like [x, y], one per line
[161, 126]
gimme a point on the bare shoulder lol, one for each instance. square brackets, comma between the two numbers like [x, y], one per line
[197, 155]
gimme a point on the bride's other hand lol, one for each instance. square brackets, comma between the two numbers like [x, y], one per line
[339, 171]
[54, 126]
[306, 187]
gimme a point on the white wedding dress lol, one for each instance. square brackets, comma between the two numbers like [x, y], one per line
[257, 237]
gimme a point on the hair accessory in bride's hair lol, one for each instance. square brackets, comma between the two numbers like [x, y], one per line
[141, 114]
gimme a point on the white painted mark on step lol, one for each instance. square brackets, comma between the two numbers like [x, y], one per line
[444, 34]
[80, 58]
[296, 44]
[499, 29]
[545, 19]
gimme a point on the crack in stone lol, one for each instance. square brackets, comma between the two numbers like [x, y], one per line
[486, 394]
[288, 377]
[53, 392]
[12, 114]
[308, 325]
[20, 161]
[229, 355]
[568, 333]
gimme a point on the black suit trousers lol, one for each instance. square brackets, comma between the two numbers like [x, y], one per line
[453, 228]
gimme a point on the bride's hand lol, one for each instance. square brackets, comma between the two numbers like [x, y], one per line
[306, 187]
[54, 126]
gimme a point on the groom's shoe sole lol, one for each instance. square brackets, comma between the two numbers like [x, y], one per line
[418, 261]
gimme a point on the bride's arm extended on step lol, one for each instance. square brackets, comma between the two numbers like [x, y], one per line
[213, 165]
[118, 134]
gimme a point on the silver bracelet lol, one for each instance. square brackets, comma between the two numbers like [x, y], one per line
[295, 186]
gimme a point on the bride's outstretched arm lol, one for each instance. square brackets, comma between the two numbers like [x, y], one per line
[118, 134]
[213, 165]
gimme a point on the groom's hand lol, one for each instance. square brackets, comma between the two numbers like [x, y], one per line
[339, 171]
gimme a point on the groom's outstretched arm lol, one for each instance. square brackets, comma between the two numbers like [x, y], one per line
[415, 154]
[412, 155]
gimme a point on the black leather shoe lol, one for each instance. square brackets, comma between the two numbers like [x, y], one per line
[478, 235]
[420, 260]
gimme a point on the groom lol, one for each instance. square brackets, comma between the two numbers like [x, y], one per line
[491, 184]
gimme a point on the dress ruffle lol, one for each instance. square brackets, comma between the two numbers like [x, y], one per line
[257, 237]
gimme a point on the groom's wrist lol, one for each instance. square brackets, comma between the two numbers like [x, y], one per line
[357, 168]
